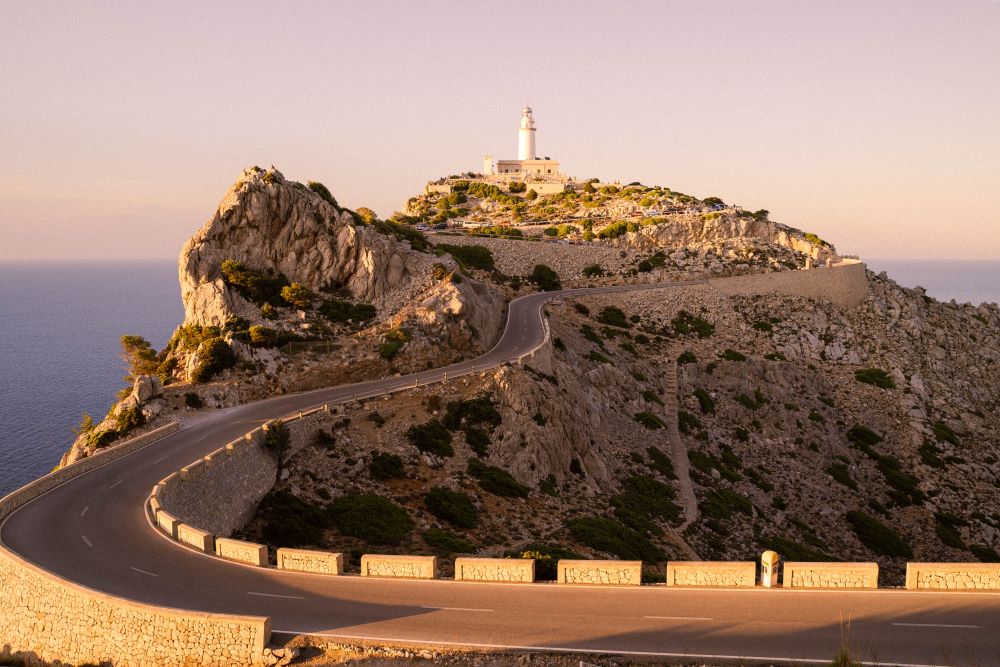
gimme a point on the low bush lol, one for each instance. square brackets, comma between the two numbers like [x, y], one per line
[129, 418]
[732, 355]
[193, 400]
[546, 558]
[705, 401]
[611, 536]
[597, 357]
[864, 439]
[447, 543]
[687, 422]
[298, 295]
[614, 316]
[545, 277]
[685, 323]
[593, 271]
[794, 551]
[323, 192]
[497, 481]
[370, 517]
[277, 439]
[842, 475]
[661, 463]
[874, 376]
[470, 256]
[644, 498]
[984, 553]
[431, 438]
[650, 397]
[289, 521]
[687, 357]
[339, 311]
[722, 503]
[385, 466]
[943, 433]
[649, 420]
[877, 536]
[214, 356]
[258, 286]
[477, 411]
[452, 506]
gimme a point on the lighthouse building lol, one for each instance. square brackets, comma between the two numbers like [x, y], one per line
[527, 164]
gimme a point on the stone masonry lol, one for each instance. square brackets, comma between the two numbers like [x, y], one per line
[711, 573]
[953, 576]
[610, 572]
[830, 575]
[304, 560]
[495, 569]
[409, 567]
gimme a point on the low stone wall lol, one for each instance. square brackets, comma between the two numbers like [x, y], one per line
[844, 284]
[735, 574]
[195, 537]
[830, 575]
[17, 498]
[408, 567]
[304, 560]
[953, 576]
[44, 617]
[613, 572]
[238, 550]
[495, 569]
[167, 522]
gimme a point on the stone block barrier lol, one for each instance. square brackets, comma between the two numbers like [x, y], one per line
[735, 574]
[609, 572]
[408, 567]
[829, 575]
[244, 552]
[953, 576]
[195, 537]
[305, 560]
[167, 522]
[521, 570]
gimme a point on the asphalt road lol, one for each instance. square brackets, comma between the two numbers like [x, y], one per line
[93, 530]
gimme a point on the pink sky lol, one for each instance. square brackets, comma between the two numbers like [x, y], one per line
[873, 124]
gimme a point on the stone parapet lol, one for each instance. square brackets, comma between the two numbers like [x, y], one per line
[167, 522]
[305, 560]
[829, 575]
[238, 550]
[197, 538]
[845, 284]
[736, 574]
[953, 576]
[409, 567]
[495, 569]
[610, 572]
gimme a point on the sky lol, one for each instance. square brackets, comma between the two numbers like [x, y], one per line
[873, 124]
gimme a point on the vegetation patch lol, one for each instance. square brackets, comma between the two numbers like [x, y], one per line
[446, 543]
[384, 466]
[431, 438]
[290, 522]
[545, 277]
[615, 317]
[684, 323]
[661, 463]
[614, 537]
[470, 256]
[497, 481]
[842, 475]
[452, 506]
[214, 356]
[877, 536]
[722, 503]
[687, 357]
[649, 420]
[258, 286]
[732, 355]
[370, 517]
[687, 422]
[546, 558]
[705, 401]
[340, 311]
[874, 376]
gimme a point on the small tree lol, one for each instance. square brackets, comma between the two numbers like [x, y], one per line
[139, 355]
[367, 215]
[298, 295]
[545, 277]
[589, 188]
[531, 196]
[276, 440]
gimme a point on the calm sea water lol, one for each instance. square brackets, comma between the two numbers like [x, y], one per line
[60, 324]
[59, 328]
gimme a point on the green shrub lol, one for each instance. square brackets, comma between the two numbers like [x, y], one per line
[376, 418]
[263, 336]
[864, 439]
[369, 517]
[929, 455]
[472, 412]
[842, 475]
[984, 553]
[258, 286]
[290, 522]
[614, 316]
[129, 418]
[943, 433]
[614, 230]
[470, 256]
[478, 440]
[705, 401]
[685, 323]
[874, 376]
[687, 357]
[452, 506]
[646, 497]
[384, 466]
[877, 536]
[905, 485]
[531, 195]
[815, 240]
[139, 354]
[447, 543]
[431, 438]
[546, 558]
[545, 277]
[497, 481]
[276, 440]
[732, 355]
[649, 420]
[794, 551]
[650, 397]
[947, 531]
[193, 400]
[338, 311]
[324, 193]
[389, 349]
[597, 357]
[548, 486]
[611, 536]
[214, 356]
[593, 271]
[687, 422]
[762, 325]
[298, 295]
[721, 503]
[661, 463]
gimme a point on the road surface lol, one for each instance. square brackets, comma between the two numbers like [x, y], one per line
[107, 544]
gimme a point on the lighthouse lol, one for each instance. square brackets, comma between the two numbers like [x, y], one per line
[526, 136]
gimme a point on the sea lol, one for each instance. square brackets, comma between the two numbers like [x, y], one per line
[60, 325]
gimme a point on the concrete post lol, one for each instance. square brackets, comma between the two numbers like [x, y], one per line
[769, 569]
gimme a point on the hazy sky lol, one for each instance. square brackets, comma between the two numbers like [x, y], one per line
[875, 124]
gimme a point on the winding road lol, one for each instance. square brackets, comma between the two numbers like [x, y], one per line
[107, 544]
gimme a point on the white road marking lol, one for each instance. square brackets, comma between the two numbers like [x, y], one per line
[161, 459]
[144, 572]
[275, 595]
[86, 541]
[85, 510]
[938, 625]
[682, 618]
[457, 609]
[115, 484]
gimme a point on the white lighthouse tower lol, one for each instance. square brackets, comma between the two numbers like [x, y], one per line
[526, 136]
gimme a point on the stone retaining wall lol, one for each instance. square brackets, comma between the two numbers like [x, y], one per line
[953, 576]
[615, 572]
[44, 617]
[830, 575]
[735, 574]
[409, 567]
[495, 569]
[245, 552]
[304, 560]
[845, 284]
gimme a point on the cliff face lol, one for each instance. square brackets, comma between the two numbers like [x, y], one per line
[267, 222]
